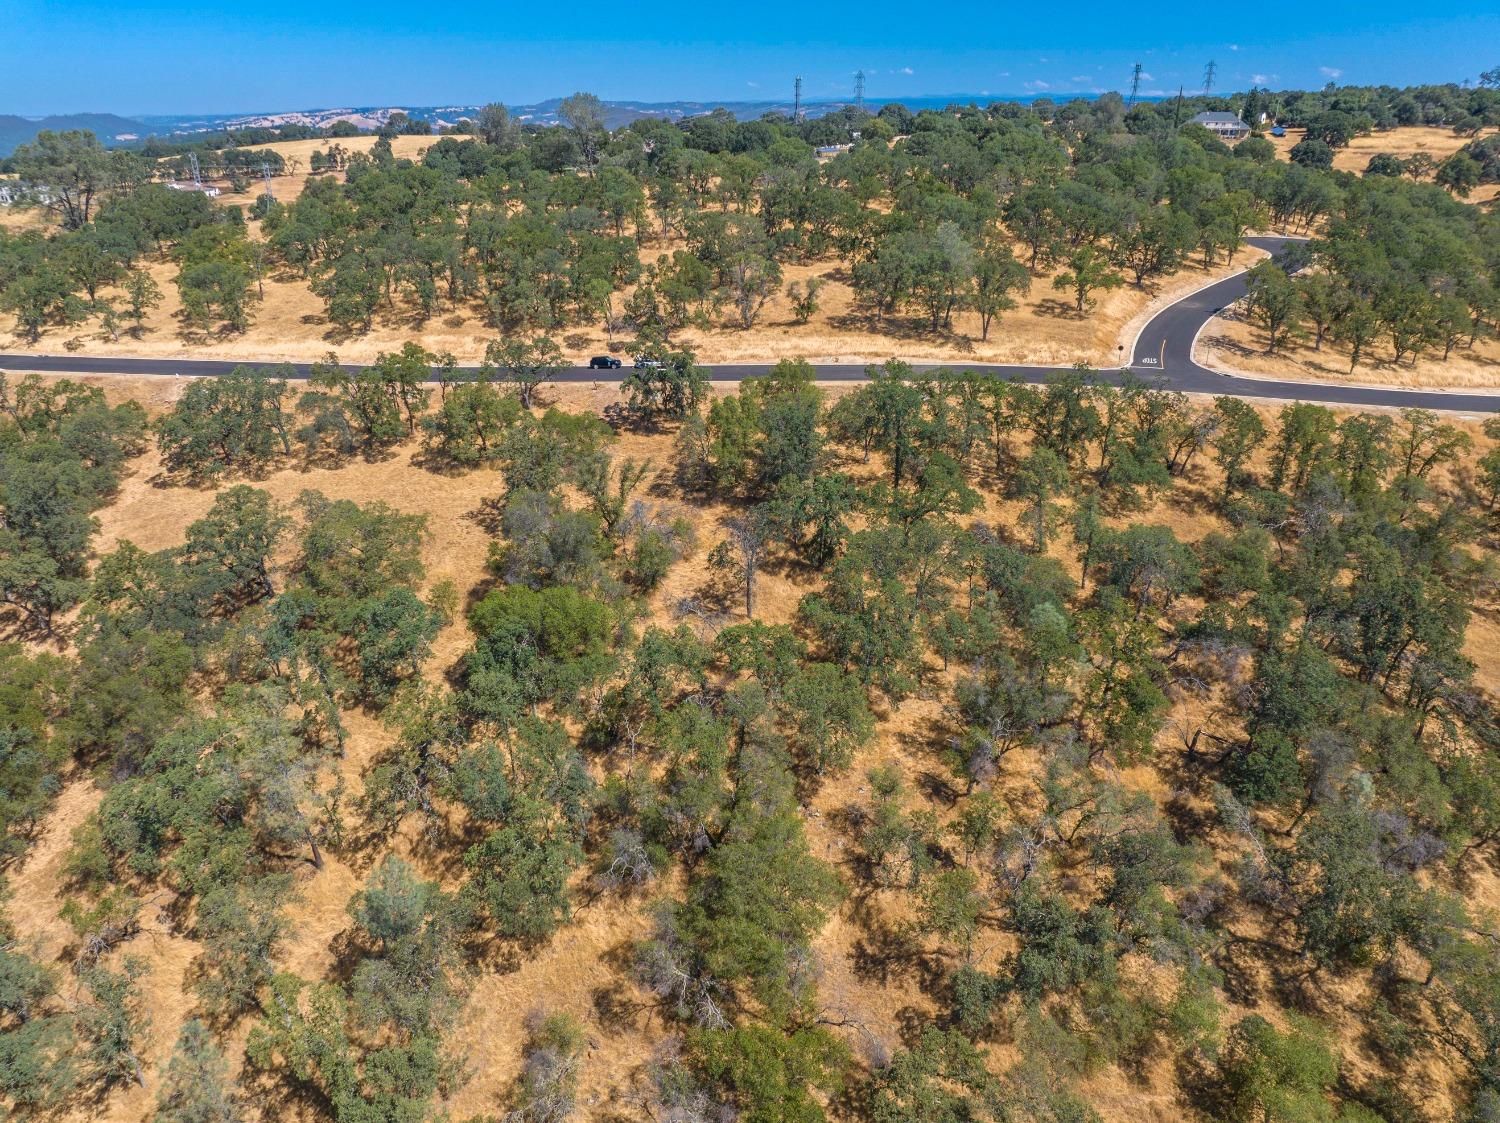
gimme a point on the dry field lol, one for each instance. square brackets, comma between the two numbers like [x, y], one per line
[580, 969]
[288, 326]
[298, 154]
[1233, 344]
[1405, 141]
[16, 220]
[287, 187]
[288, 323]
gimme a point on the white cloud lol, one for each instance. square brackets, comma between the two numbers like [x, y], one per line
[1234, 46]
[903, 70]
[1330, 72]
[1260, 79]
[1079, 78]
[1038, 85]
[1146, 77]
[754, 85]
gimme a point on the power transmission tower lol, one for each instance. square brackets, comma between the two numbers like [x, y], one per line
[265, 175]
[1208, 77]
[859, 90]
[197, 175]
[1135, 84]
[797, 100]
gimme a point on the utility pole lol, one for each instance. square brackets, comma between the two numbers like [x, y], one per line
[859, 90]
[1135, 84]
[1208, 77]
[797, 100]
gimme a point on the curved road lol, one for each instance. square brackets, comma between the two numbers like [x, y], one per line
[1163, 355]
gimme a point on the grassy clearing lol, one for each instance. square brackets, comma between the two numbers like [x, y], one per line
[1405, 142]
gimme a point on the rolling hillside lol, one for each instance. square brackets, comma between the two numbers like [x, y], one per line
[108, 127]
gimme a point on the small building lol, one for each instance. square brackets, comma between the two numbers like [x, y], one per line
[828, 151]
[202, 188]
[1225, 126]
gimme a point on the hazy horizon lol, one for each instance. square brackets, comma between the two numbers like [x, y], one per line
[923, 100]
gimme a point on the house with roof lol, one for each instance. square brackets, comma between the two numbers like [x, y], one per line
[201, 188]
[1225, 126]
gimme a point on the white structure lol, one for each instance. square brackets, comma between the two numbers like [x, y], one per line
[1225, 126]
[15, 193]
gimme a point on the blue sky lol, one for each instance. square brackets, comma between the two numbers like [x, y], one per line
[172, 56]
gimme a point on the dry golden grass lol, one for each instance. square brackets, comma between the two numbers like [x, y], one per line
[1233, 343]
[580, 970]
[1405, 141]
[288, 326]
[298, 155]
[17, 220]
[288, 323]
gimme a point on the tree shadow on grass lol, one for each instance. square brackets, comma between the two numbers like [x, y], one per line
[277, 1094]
[889, 952]
[905, 329]
[1059, 309]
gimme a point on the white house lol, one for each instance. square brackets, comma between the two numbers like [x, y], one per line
[1225, 126]
[204, 188]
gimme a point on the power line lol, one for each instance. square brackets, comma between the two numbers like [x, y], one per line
[859, 90]
[1135, 84]
[1208, 76]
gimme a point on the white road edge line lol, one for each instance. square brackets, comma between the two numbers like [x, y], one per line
[1140, 331]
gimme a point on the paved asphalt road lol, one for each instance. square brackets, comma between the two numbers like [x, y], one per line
[1163, 354]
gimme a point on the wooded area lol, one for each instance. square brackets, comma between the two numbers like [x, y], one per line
[936, 748]
[938, 223]
[1295, 678]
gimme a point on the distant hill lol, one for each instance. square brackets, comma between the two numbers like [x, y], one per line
[113, 130]
[109, 128]
[616, 113]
